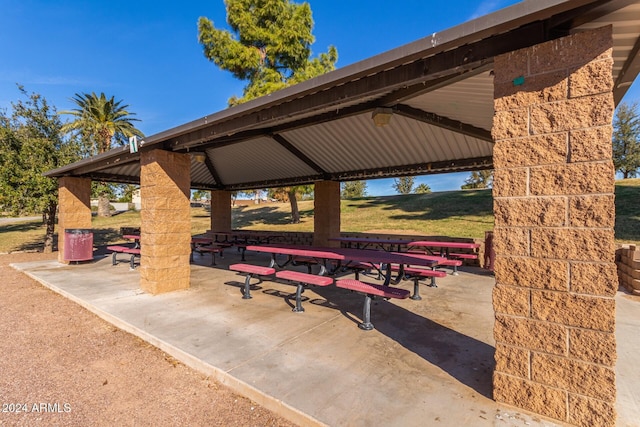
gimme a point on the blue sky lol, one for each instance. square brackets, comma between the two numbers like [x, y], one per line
[147, 54]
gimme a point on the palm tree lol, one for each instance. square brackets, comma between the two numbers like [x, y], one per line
[101, 120]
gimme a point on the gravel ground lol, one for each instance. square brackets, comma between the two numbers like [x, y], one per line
[62, 365]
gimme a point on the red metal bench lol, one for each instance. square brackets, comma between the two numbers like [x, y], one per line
[251, 271]
[370, 291]
[447, 262]
[415, 274]
[117, 249]
[302, 280]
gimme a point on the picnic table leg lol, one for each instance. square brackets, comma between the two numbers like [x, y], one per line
[366, 314]
[113, 259]
[416, 289]
[132, 262]
[299, 290]
[387, 276]
[455, 270]
[400, 275]
[247, 287]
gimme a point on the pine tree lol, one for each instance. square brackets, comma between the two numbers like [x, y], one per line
[269, 45]
[626, 140]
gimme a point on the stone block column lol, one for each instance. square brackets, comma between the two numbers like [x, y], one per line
[221, 210]
[165, 221]
[326, 219]
[74, 204]
[554, 242]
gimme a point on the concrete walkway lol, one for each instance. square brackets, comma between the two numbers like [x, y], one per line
[427, 362]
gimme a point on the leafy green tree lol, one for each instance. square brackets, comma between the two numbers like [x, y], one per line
[126, 192]
[404, 184]
[31, 143]
[626, 140]
[478, 180]
[269, 45]
[353, 189]
[101, 121]
[291, 195]
[201, 194]
[422, 189]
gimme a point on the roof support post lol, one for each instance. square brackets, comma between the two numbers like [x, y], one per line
[326, 219]
[165, 219]
[221, 210]
[554, 242]
[74, 199]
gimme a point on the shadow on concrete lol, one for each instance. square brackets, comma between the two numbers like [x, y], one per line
[466, 359]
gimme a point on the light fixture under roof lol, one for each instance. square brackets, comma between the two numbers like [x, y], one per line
[198, 156]
[382, 116]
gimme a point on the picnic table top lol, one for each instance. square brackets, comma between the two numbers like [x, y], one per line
[370, 240]
[345, 254]
[443, 244]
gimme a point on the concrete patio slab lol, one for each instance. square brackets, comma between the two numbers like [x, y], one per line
[426, 362]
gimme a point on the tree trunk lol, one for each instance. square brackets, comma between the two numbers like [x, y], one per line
[295, 213]
[103, 206]
[50, 221]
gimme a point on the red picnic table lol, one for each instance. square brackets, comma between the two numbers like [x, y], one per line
[345, 257]
[365, 242]
[443, 249]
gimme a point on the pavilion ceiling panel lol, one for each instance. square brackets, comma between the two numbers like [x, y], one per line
[356, 143]
[469, 101]
[201, 174]
[256, 160]
[125, 172]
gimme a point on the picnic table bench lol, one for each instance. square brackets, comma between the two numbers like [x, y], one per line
[250, 271]
[119, 249]
[370, 291]
[302, 280]
[205, 244]
[443, 249]
[416, 274]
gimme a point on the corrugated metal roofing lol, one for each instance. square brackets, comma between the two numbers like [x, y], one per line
[439, 88]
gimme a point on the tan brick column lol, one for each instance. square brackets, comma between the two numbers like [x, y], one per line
[74, 204]
[326, 219]
[554, 242]
[220, 210]
[165, 221]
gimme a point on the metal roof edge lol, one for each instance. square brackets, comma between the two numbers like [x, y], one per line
[93, 160]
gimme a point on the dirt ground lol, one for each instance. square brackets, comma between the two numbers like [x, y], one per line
[62, 365]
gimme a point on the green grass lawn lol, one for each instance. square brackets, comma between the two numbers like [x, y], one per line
[454, 213]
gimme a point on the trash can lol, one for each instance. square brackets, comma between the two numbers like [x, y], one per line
[78, 244]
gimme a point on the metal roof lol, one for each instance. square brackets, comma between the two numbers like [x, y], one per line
[439, 88]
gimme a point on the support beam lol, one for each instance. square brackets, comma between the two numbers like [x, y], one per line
[443, 122]
[326, 220]
[165, 219]
[74, 200]
[554, 215]
[221, 210]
